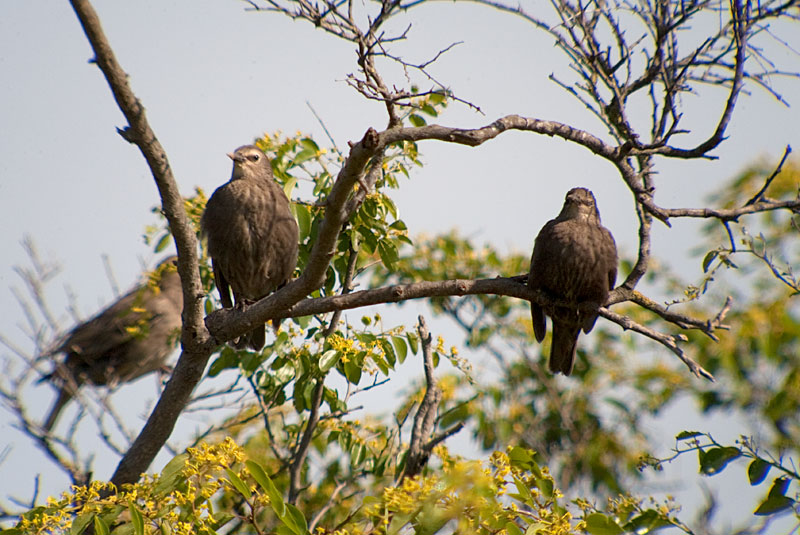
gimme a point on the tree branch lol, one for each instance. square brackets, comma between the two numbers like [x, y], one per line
[197, 345]
[296, 468]
[419, 449]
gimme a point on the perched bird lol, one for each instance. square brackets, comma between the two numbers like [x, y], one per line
[574, 260]
[251, 234]
[132, 337]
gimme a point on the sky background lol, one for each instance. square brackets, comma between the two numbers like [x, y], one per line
[213, 76]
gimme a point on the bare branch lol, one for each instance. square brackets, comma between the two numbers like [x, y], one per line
[419, 450]
[296, 467]
[760, 194]
[667, 340]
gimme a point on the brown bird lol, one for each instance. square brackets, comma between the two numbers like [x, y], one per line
[252, 235]
[574, 260]
[132, 337]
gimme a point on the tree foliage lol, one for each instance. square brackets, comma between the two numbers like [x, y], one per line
[562, 456]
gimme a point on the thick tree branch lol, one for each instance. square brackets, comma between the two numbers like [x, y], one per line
[226, 321]
[197, 345]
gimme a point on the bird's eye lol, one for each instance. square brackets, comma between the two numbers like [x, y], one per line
[253, 157]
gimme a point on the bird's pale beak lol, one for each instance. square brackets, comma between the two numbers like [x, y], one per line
[231, 156]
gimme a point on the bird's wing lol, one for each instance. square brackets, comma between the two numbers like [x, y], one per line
[539, 263]
[222, 285]
[612, 253]
[539, 325]
[107, 331]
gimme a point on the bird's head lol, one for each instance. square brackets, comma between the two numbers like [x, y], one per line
[165, 275]
[250, 161]
[580, 204]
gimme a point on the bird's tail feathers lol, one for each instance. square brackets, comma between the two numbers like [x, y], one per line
[63, 398]
[256, 338]
[588, 323]
[563, 345]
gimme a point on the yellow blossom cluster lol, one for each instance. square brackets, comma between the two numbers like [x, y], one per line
[179, 502]
[345, 346]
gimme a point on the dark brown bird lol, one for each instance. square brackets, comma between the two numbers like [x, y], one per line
[132, 337]
[574, 260]
[252, 235]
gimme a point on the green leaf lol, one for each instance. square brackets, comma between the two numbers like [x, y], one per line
[710, 256]
[398, 225]
[80, 523]
[388, 351]
[357, 454]
[437, 98]
[520, 457]
[600, 524]
[398, 521]
[457, 414]
[714, 460]
[221, 518]
[238, 484]
[288, 187]
[285, 373]
[416, 120]
[381, 363]
[513, 529]
[328, 360]
[546, 486]
[534, 528]
[289, 521]
[413, 342]
[227, 359]
[136, 519]
[757, 471]
[308, 393]
[400, 348]
[303, 215]
[389, 204]
[773, 505]
[163, 242]
[684, 435]
[352, 371]
[261, 477]
[524, 492]
[303, 156]
[100, 526]
[649, 521]
[388, 253]
[779, 486]
[370, 240]
[430, 110]
[298, 520]
[309, 144]
[171, 475]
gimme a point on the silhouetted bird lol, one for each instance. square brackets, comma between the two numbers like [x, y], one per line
[132, 337]
[574, 260]
[252, 235]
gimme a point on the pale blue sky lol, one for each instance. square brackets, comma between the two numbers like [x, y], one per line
[212, 77]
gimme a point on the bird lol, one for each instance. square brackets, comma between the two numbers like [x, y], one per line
[251, 234]
[574, 260]
[131, 337]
